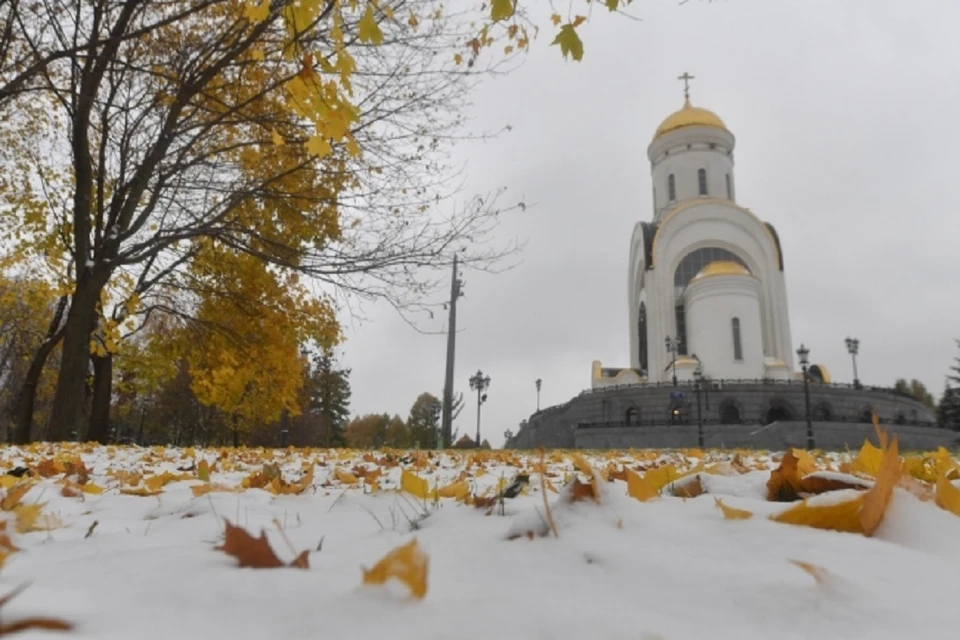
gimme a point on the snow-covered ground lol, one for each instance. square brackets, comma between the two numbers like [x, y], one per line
[666, 568]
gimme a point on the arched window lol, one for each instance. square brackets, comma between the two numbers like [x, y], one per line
[737, 347]
[632, 416]
[729, 413]
[702, 181]
[642, 335]
[671, 188]
[729, 188]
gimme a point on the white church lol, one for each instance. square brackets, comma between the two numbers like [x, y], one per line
[706, 289]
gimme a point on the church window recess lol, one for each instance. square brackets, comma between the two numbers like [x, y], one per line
[642, 335]
[702, 181]
[681, 316]
[729, 188]
[671, 188]
[696, 260]
[737, 346]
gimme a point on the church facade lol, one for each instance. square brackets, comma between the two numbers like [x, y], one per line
[706, 288]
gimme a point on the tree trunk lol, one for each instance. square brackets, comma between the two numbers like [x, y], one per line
[66, 416]
[27, 396]
[102, 389]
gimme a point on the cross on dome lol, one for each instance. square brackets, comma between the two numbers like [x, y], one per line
[686, 77]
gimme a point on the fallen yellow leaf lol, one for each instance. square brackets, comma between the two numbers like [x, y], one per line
[876, 500]
[407, 563]
[639, 488]
[732, 513]
[843, 516]
[414, 485]
[948, 496]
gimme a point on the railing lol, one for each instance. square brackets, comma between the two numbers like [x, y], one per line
[667, 422]
[711, 382]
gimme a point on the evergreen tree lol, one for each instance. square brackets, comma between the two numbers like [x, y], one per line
[424, 421]
[949, 413]
[330, 398]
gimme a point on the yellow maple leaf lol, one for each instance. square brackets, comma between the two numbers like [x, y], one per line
[556, 19]
[140, 491]
[868, 460]
[640, 488]
[732, 513]
[458, 490]
[661, 476]
[15, 495]
[345, 477]
[570, 43]
[407, 563]
[319, 146]
[876, 500]
[7, 481]
[93, 489]
[27, 515]
[843, 516]
[255, 12]
[948, 496]
[203, 471]
[501, 9]
[368, 29]
[414, 485]
[203, 489]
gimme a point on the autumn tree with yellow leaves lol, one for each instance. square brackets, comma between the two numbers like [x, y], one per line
[291, 138]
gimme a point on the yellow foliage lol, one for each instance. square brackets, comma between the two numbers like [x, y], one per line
[843, 516]
[346, 477]
[414, 485]
[640, 488]
[661, 476]
[732, 513]
[876, 500]
[868, 460]
[407, 563]
[203, 471]
[458, 490]
[948, 496]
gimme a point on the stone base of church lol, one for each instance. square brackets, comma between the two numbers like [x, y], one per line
[749, 414]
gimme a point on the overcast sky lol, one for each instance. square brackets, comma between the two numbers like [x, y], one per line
[847, 119]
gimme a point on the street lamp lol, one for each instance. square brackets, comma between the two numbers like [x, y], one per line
[698, 382]
[853, 348]
[479, 382]
[539, 383]
[673, 344]
[804, 354]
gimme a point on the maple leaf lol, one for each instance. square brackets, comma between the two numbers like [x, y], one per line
[203, 471]
[784, 482]
[257, 12]
[843, 516]
[876, 500]
[407, 563]
[458, 490]
[203, 489]
[661, 476]
[732, 513]
[255, 553]
[570, 43]
[318, 146]
[345, 477]
[639, 488]
[948, 496]
[501, 9]
[414, 485]
[15, 495]
[368, 29]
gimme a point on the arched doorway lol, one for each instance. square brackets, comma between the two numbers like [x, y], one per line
[632, 416]
[729, 413]
[777, 413]
[678, 414]
[866, 414]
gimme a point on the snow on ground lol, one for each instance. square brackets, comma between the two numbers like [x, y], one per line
[667, 569]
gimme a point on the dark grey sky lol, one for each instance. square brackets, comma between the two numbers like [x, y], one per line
[847, 118]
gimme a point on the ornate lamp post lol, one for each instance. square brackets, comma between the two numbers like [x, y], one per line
[673, 344]
[698, 382]
[539, 383]
[853, 348]
[804, 354]
[479, 382]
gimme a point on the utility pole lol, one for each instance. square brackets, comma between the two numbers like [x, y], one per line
[446, 420]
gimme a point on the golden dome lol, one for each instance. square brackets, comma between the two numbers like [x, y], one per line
[690, 116]
[722, 268]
